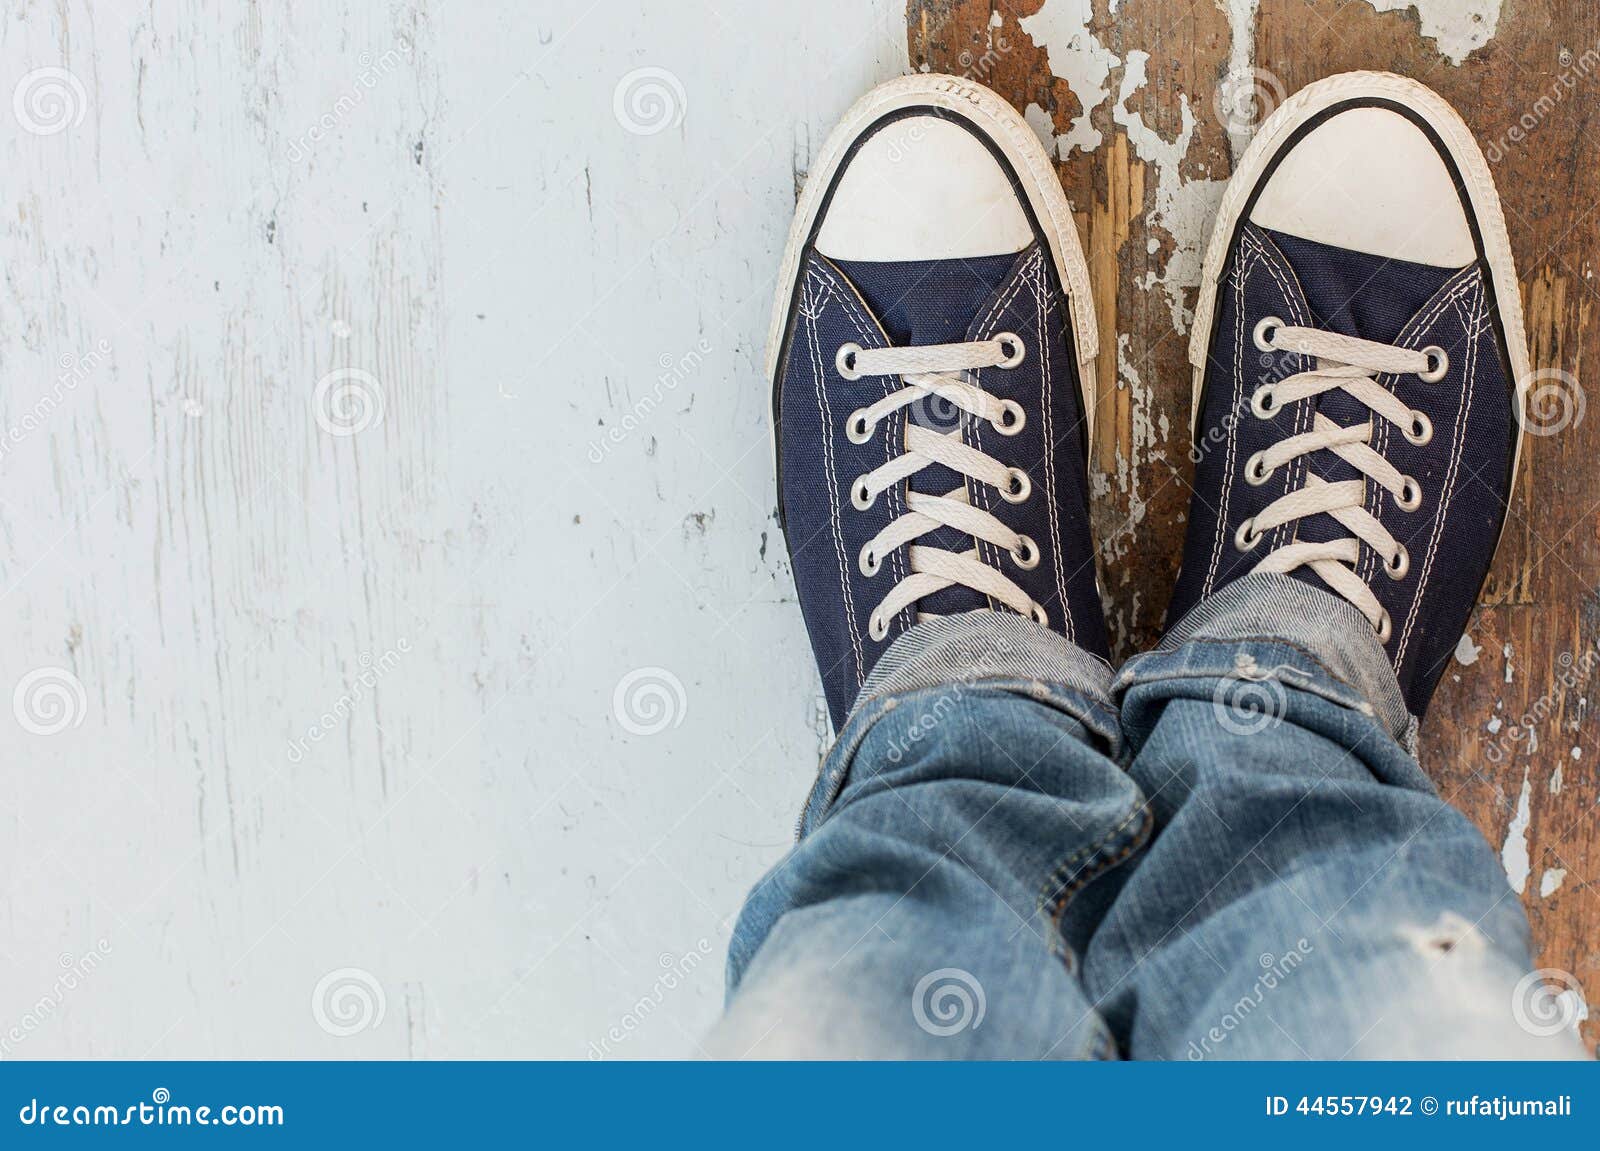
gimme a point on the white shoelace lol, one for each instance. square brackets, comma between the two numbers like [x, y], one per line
[1351, 365]
[939, 370]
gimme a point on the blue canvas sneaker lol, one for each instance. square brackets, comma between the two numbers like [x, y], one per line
[1359, 363]
[931, 352]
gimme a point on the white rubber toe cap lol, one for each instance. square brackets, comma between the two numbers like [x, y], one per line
[922, 188]
[1367, 179]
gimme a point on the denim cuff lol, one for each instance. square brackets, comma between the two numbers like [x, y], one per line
[944, 657]
[979, 646]
[1322, 639]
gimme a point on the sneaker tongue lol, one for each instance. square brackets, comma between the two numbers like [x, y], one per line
[932, 302]
[1354, 294]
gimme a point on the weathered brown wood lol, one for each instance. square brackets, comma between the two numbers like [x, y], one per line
[1519, 716]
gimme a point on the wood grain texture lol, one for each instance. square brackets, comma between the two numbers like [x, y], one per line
[1510, 737]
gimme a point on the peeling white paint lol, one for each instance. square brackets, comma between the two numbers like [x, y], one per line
[1075, 55]
[1555, 779]
[1495, 724]
[1551, 881]
[1467, 652]
[1241, 66]
[1514, 854]
[1506, 652]
[1458, 27]
[1184, 210]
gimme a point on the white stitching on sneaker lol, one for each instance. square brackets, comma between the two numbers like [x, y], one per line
[1348, 364]
[813, 301]
[929, 370]
[1474, 328]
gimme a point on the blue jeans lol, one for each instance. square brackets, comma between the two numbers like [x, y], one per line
[1226, 850]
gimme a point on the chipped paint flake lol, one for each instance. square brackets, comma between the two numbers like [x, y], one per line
[1550, 881]
[1061, 28]
[1467, 652]
[1458, 27]
[1506, 653]
[1555, 778]
[1495, 724]
[1514, 854]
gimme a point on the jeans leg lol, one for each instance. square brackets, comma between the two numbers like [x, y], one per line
[1307, 892]
[972, 790]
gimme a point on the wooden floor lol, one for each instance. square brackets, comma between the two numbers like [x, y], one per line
[1149, 106]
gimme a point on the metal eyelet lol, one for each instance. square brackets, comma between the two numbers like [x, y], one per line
[1026, 554]
[858, 429]
[1246, 538]
[1385, 629]
[1411, 502]
[869, 563]
[861, 496]
[1264, 330]
[1421, 429]
[1018, 416]
[1019, 487]
[1014, 356]
[1440, 357]
[877, 627]
[1261, 403]
[1039, 616]
[1255, 472]
[1397, 567]
[845, 361]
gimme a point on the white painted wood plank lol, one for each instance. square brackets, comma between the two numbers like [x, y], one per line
[434, 212]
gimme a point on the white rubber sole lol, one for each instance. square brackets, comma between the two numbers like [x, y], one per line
[1021, 147]
[1458, 140]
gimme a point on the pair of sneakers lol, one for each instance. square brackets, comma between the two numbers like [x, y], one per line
[1357, 353]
